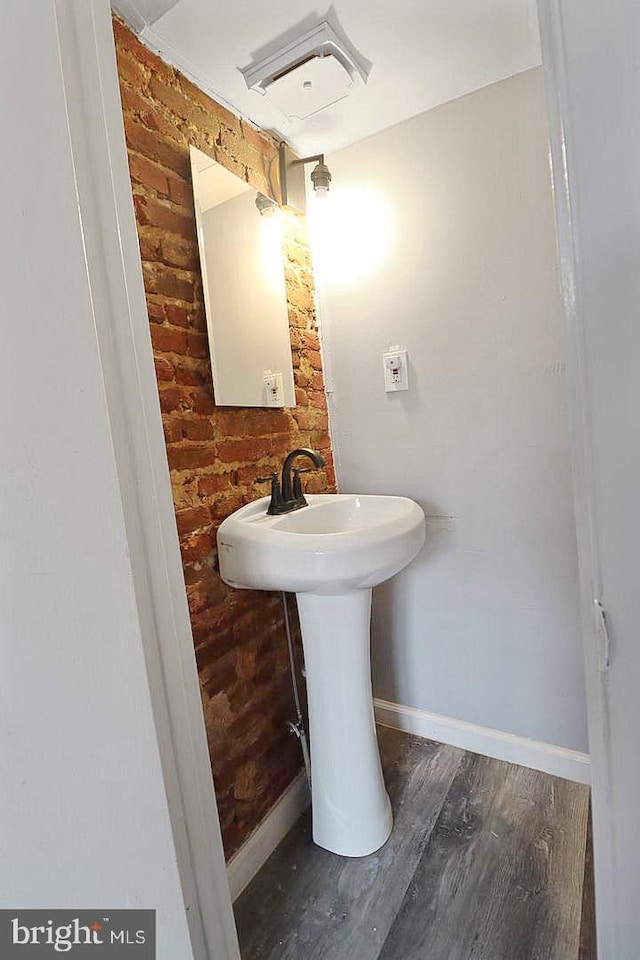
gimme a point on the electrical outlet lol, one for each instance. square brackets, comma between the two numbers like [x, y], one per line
[273, 389]
[396, 373]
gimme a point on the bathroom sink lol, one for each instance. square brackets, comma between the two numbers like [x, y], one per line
[338, 543]
[331, 553]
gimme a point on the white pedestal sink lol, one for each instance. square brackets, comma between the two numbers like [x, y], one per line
[330, 554]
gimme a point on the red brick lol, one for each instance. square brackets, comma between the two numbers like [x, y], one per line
[231, 421]
[318, 400]
[176, 315]
[302, 378]
[210, 108]
[172, 431]
[157, 214]
[259, 140]
[198, 320]
[230, 451]
[191, 456]
[168, 339]
[192, 519]
[224, 504]
[174, 100]
[178, 253]
[261, 422]
[149, 174]
[198, 345]
[181, 192]
[126, 41]
[155, 311]
[212, 483]
[171, 398]
[149, 246]
[247, 477]
[169, 283]
[164, 370]
[197, 573]
[152, 144]
[196, 547]
[198, 429]
[209, 593]
[131, 71]
[213, 623]
[281, 444]
[315, 359]
[190, 375]
[300, 297]
[204, 403]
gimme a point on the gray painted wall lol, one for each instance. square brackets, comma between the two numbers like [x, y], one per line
[451, 227]
[85, 819]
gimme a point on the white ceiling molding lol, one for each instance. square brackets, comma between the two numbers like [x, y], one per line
[142, 13]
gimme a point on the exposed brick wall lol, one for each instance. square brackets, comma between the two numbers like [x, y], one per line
[216, 453]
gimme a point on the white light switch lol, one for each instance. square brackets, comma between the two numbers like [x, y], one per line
[273, 389]
[396, 372]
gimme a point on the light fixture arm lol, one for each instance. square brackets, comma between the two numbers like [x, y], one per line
[317, 158]
[292, 177]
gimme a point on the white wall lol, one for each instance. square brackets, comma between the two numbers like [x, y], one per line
[593, 86]
[85, 819]
[449, 240]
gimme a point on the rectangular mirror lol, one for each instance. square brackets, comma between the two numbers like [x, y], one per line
[245, 299]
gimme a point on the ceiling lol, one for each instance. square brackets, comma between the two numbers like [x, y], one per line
[423, 52]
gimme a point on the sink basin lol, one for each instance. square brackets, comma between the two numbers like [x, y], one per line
[330, 554]
[339, 543]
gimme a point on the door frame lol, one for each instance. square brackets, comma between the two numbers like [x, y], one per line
[592, 87]
[105, 203]
[89, 71]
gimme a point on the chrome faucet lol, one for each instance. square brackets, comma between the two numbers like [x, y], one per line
[288, 495]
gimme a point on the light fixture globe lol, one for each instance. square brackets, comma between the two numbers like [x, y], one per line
[266, 206]
[292, 184]
[321, 177]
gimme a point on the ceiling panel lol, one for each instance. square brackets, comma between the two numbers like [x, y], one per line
[424, 53]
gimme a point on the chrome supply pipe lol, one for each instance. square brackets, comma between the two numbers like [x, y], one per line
[297, 727]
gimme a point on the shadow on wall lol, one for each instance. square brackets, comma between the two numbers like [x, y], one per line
[392, 606]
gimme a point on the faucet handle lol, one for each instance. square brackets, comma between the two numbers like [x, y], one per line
[297, 483]
[276, 503]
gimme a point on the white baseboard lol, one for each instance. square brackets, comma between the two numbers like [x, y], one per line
[244, 864]
[558, 761]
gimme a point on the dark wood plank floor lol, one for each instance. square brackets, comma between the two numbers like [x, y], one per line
[486, 862]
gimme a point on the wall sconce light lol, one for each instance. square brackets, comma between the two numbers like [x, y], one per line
[266, 206]
[320, 175]
[292, 178]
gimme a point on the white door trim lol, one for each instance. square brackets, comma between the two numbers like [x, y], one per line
[568, 29]
[87, 58]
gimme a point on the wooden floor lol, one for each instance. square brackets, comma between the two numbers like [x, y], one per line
[486, 862]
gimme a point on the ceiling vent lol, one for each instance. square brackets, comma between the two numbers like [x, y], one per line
[310, 73]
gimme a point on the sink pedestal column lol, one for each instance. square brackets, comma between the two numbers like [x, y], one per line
[350, 807]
